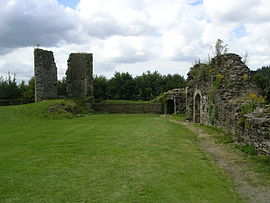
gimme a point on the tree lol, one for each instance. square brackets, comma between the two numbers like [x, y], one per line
[149, 85]
[261, 77]
[100, 88]
[28, 91]
[9, 88]
[62, 87]
[122, 86]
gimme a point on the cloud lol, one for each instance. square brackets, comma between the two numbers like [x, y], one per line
[19, 62]
[104, 18]
[27, 23]
[133, 35]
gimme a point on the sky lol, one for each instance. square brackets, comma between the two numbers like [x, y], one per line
[132, 35]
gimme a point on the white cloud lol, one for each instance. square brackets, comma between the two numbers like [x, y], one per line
[133, 35]
[27, 23]
[19, 62]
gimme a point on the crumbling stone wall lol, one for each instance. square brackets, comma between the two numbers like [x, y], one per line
[138, 108]
[176, 101]
[45, 75]
[222, 94]
[79, 75]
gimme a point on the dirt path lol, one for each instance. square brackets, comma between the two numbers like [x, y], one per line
[248, 183]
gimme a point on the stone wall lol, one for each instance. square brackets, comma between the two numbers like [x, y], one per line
[222, 94]
[255, 130]
[138, 108]
[79, 75]
[45, 75]
[176, 101]
[11, 102]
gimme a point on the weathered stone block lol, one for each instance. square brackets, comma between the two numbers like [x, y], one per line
[80, 75]
[45, 75]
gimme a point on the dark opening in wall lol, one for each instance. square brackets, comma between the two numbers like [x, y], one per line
[197, 108]
[170, 106]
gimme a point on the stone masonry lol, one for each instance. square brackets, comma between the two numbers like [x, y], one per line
[45, 75]
[175, 101]
[80, 75]
[221, 93]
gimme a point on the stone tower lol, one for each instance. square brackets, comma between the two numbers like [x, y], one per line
[80, 75]
[45, 75]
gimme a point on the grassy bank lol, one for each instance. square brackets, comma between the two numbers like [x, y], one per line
[102, 158]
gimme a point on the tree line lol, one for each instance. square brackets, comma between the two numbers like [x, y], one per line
[122, 86]
[261, 77]
[10, 89]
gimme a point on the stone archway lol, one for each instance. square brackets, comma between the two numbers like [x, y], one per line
[197, 106]
[170, 106]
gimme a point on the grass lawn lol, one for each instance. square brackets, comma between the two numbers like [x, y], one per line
[103, 158]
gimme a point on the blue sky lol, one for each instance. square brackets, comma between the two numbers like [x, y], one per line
[240, 32]
[69, 3]
[198, 2]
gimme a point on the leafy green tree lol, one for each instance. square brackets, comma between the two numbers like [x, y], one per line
[261, 77]
[149, 85]
[9, 88]
[100, 88]
[122, 86]
[28, 91]
[62, 87]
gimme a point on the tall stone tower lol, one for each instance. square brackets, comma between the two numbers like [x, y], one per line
[45, 75]
[80, 75]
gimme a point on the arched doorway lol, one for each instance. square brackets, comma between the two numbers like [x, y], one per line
[170, 106]
[197, 109]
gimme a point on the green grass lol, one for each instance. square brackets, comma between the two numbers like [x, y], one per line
[261, 162]
[220, 135]
[103, 158]
[179, 117]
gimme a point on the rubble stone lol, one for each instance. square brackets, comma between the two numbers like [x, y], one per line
[79, 75]
[45, 75]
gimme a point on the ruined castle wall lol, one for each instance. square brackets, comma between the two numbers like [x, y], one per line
[177, 96]
[79, 75]
[45, 75]
[134, 108]
[221, 94]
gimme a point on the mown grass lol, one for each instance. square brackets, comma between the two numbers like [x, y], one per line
[220, 135]
[102, 158]
[261, 162]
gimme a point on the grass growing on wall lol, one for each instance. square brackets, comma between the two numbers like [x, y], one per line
[103, 158]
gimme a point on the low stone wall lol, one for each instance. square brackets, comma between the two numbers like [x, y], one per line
[135, 108]
[16, 102]
[256, 132]
[249, 129]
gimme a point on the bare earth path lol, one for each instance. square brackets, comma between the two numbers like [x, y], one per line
[249, 183]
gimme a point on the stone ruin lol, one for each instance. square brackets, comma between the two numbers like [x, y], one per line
[175, 101]
[222, 94]
[79, 75]
[45, 75]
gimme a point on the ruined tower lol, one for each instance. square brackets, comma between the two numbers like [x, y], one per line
[80, 75]
[45, 75]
